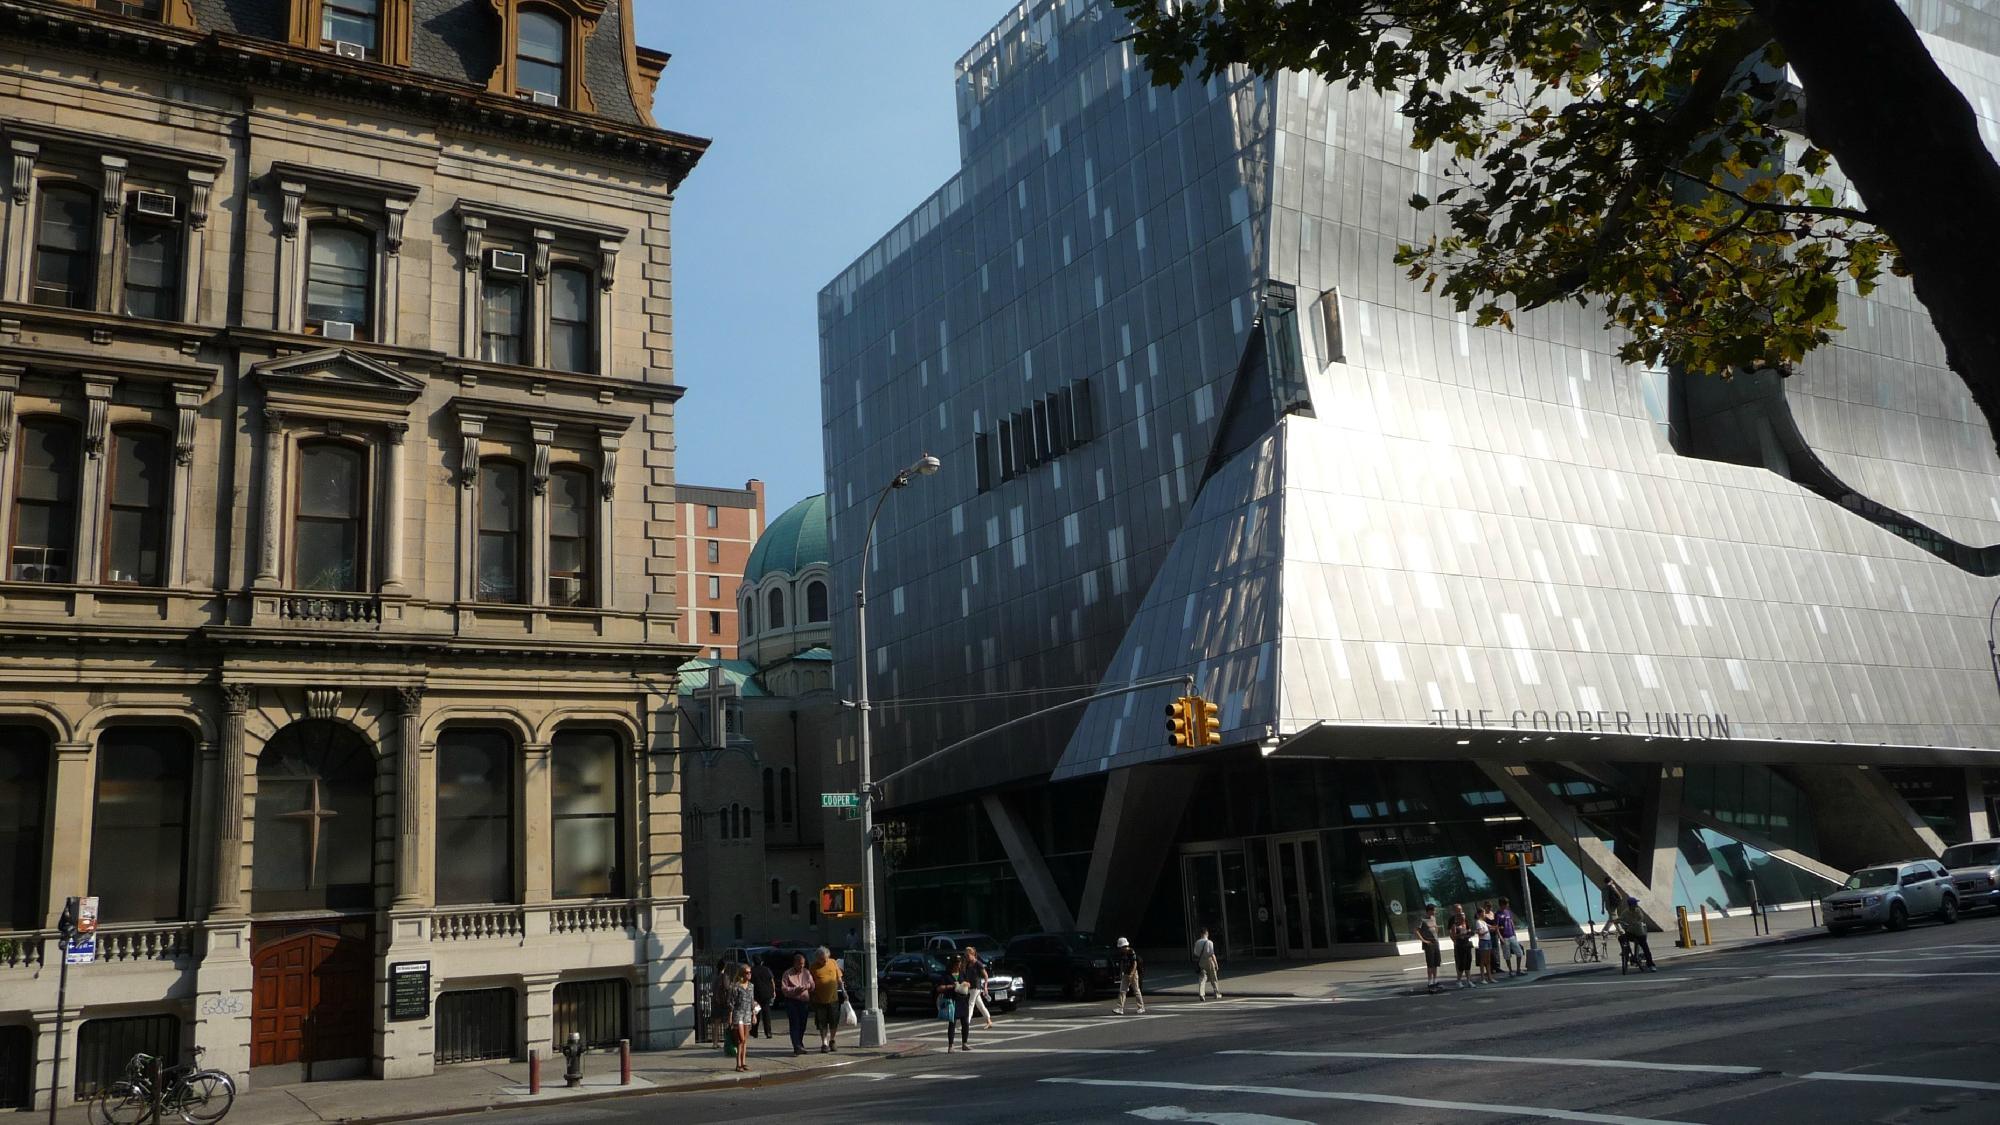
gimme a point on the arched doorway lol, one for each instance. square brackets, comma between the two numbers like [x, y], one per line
[313, 864]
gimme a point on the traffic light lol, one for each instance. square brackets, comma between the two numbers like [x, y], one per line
[836, 900]
[1207, 724]
[1180, 720]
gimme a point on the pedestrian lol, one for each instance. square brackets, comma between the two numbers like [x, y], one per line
[827, 984]
[766, 984]
[975, 970]
[1632, 927]
[796, 989]
[852, 938]
[1129, 963]
[954, 994]
[1206, 965]
[742, 1014]
[1484, 936]
[1613, 899]
[718, 1003]
[1427, 934]
[1461, 944]
[1510, 940]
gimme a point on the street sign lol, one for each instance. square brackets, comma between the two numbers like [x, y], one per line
[839, 801]
[1517, 845]
[82, 950]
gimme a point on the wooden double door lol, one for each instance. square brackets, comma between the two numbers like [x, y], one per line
[314, 994]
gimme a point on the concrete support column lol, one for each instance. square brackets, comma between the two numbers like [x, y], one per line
[1528, 794]
[538, 1018]
[394, 518]
[228, 899]
[536, 792]
[666, 953]
[272, 500]
[64, 1080]
[1051, 912]
[1979, 822]
[1863, 819]
[1660, 826]
[1135, 832]
[225, 983]
[409, 798]
[69, 828]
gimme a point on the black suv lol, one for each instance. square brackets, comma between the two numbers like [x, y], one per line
[911, 980]
[1078, 963]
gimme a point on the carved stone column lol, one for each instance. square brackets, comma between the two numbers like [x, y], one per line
[410, 798]
[274, 461]
[228, 899]
[394, 518]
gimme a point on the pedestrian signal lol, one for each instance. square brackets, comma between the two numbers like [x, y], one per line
[837, 900]
[1180, 720]
[1207, 722]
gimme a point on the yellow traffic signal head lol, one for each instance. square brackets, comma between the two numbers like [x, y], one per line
[836, 900]
[1180, 721]
[1207, 723]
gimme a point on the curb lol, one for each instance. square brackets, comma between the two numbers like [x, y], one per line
[1698, 951]
[783, 1078]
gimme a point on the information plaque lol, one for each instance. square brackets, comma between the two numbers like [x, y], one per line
[409, 990]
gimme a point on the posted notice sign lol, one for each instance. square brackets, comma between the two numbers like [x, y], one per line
[409, 990]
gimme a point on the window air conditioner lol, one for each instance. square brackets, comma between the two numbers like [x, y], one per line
[156, 205]
[543, 97]
[337, 329]
[348, 50]
[506, 261]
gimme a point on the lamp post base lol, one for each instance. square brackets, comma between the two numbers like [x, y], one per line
[1537, 960]
[874, 1029]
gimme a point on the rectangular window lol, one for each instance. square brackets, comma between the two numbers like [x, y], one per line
[571, 299]
[475, 817]
[1008, 466]
[1082, 411]
[714, 623]
[135, 517]
[350, 21]
[66, 247]
[714, 586]
[24, 799]
[1061, 438]
[587, 798]
[45, 501]
[503, 317]
[139, 830]
[1024, 441]
[569, 536]
[153, 269]
[340, 272]
[982, 459]
[714, 515]
[1045, 448]
[500, 510]
[331, 525]
[714, 551]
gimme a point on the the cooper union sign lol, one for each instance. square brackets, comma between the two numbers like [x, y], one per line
[1668, 724]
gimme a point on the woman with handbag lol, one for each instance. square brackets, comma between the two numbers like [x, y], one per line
[955, 1004]
[828, 985]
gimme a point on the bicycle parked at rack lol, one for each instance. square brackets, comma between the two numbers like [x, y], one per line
[1590, 945]
[195, 1095]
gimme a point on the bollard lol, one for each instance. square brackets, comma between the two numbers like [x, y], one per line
[1704, 924]
[1684, 939]
[624, 1062]
[534, 1072]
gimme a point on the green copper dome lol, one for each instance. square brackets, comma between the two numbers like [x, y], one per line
[792, 542]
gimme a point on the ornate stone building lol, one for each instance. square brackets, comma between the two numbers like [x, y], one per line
[337, 621]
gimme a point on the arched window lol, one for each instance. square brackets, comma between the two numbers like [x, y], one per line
[785, 793]
[774, 892]
[501, 512]
[135, 523]
[24, 799]
[795, 902]
[774, 613]
[66, 248]
[739, 927]
[45, 489]
[572, 303]
[139, 831]
[475, 817]
[330, 537]
[340, 272]
[570, 506]
[749, 623]
[770, 812]
[815, 601]
[541, 54]
[743, 822]
[588, 811]
[315, 815]
[812, 910]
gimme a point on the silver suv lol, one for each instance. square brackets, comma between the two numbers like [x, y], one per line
[1891, 894]
[1975, 872]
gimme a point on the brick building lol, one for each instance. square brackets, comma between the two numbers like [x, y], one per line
[338, 625]
[718, 526]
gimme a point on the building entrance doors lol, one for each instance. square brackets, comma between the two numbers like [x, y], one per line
[1298, 883]
[312, 1004]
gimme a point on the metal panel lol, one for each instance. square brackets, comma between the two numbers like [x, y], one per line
[596, 1008]
[476, 1024]
[103, 1046]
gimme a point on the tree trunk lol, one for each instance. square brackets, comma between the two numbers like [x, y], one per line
[1905, 136]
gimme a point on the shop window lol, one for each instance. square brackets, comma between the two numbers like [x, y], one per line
[330, 535]
[501, 515]
[475, 815]
[24, 797]
[587, 810]
[66, 247]
[570, 508]
[139, 829]
[45, 493]
[135, 518]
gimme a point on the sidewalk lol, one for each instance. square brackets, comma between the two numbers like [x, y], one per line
[1171, 972]
[473, 1087]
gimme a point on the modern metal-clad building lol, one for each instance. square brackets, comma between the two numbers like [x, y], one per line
[1720, 641]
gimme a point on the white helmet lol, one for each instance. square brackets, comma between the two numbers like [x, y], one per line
[1122, 943]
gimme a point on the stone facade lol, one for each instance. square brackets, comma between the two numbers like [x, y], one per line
[240, 538]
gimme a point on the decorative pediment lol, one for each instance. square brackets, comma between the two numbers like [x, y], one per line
[336, 383]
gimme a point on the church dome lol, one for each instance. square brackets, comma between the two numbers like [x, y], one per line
[792, 542]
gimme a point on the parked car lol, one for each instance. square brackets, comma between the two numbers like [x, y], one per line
[1891, 894]
[1975, 872]
[1078, 963]
[911, 980]
[1006, 984]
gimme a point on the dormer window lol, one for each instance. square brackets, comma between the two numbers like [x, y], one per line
[541, 56]
[353, 22]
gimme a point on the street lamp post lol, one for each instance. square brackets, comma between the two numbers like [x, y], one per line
[873, 1031]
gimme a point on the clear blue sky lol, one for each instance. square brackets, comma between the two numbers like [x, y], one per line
[830, 120]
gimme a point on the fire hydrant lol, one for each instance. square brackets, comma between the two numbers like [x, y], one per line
[573, 1051]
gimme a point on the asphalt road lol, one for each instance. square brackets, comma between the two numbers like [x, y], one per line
[1874, 1027]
